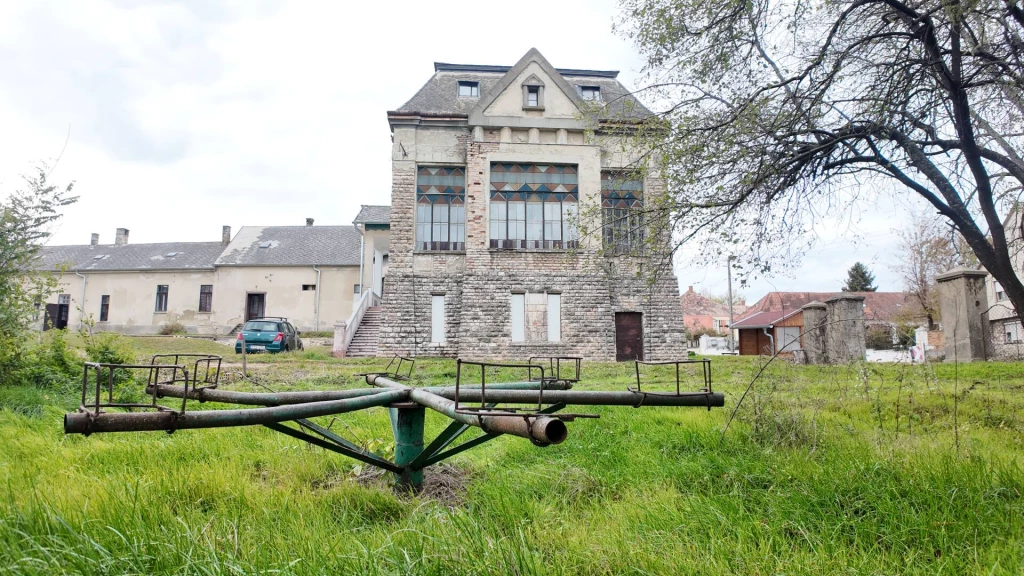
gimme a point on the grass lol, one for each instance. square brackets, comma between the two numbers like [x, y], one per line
[862, 469]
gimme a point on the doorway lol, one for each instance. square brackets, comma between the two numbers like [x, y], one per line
[56, 315]
[629, 336]
[255, 305]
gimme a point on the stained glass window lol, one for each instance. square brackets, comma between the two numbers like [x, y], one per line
[441, 208]
[534, 206]
[622, 208]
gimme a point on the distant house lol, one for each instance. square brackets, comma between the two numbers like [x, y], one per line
[313, 275]
[1006, 333]
[775, 322]
[701, 314]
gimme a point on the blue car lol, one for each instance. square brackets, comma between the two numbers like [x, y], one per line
[268, 335]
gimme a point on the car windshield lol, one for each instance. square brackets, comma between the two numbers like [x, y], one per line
[261, 327]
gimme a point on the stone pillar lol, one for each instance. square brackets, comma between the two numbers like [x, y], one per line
[340, 328]
[962, 301]
[815, 319]
[845, 340]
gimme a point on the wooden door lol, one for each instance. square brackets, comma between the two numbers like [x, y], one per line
[629, 336]
[255, 306]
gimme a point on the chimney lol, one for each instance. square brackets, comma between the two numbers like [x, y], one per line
[95, 240]
[690, 289]
[225, 235]
[122, 237]
[309, 221]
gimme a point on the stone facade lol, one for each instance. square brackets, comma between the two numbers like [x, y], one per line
[963, 302]
[480, 283]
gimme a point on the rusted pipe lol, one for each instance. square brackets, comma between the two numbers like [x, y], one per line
[542, 430]
[83, 423]
[590, 397]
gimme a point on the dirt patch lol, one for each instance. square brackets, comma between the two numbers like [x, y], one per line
[442, 483]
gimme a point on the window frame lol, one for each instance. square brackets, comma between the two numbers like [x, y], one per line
[624, 230]
[104, 308]
[440, 204]
[533, 206]
[595, 92]
[437, 319]
[473, 85]
[205, 298]
[162, 297]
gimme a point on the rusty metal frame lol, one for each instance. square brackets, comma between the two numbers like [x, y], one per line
[490, 410]
[397, 372]
[555, 368]
[706, 370]
[206, 359]
[154, 373]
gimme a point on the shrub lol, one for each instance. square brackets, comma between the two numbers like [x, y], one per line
[110, 348]
[52, 364]
[172, 328]
[879, 338]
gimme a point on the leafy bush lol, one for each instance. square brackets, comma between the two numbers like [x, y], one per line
[110, 348]
[51, 364]
[879, 338]
[172, 328]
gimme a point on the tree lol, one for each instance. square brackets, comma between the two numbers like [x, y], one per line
[928, 248]
[25, 220]
[777, 114]
[859, 279]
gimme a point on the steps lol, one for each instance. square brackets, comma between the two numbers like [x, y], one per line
[364, 343]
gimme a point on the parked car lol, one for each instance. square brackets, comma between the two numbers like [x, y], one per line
[268, 335]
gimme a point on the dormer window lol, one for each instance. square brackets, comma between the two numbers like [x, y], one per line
[469, 89]
[533, 96]
[590, 93]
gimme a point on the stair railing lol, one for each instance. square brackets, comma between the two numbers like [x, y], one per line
[345, 331]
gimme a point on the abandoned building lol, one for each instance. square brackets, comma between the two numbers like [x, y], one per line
[309, 274]
[496, 170]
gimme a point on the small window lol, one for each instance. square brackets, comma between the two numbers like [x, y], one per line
[357, 289]
[64, 299]
[206, 298]
[533, 96]
[590, 93]
[469, 89]
[437, 318]
[161, 298]
[264, 244]
[309, 287]
[1000, 293]
[104, 308]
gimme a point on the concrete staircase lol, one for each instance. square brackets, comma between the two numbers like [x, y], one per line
[364, 343]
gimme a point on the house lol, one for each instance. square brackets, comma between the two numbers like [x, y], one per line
[775, 322]
[311, 275]
[1006, 335]
[702, 314]
[500, 176]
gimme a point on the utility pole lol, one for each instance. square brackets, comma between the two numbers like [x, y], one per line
[728, 272]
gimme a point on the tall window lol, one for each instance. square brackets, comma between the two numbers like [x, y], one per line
[437, 318]
[534, 206]
[161, 298]
[206, 298]
[104, 308]
[441, 208]
[536, 317]
[622, 201]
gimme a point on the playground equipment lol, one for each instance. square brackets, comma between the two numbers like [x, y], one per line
[531, 408]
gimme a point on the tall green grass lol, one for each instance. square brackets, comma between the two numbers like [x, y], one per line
[854, 470]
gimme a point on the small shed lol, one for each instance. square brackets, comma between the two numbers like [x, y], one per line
[770, 332]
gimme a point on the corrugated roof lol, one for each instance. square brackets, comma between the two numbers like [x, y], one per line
[110, 257]
[439, 96]
[293, 246]
[373, 215]
[764, 319]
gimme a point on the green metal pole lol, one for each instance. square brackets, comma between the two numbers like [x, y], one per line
[407, 420]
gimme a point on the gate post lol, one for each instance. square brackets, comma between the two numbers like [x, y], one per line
[407, 423]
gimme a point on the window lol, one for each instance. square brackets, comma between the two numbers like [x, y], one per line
[441, 208]
[1000, 293]
[469, 89]
[161, 298]
[1012, 331]
[309, 287]
[589, 93]
[357, 289]
[206, 298]
[622, 211]
[437, 318]
[104, 308]
[533, 206]
[518, 317]
[533, 96]
[554, 317]
[64, 299]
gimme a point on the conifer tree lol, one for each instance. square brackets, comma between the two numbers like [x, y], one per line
[859, 279]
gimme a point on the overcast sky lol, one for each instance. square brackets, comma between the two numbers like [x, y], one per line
[186, 116]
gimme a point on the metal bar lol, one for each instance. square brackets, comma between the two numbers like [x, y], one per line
[284, 398]
[380, 463]
[596, 398]
[409, 445]
[435, 458]
[542, 430]
[335, 438]
[85, 423]
[442, 441]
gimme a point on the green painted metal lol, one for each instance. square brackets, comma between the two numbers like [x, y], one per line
[408, 425]
[446, 437]
[331, 436]
[356, 454]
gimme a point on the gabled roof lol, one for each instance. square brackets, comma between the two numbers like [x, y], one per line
[696, 304]
[439, 96]
[293, 246]
[373, 215]
[129, 257]
[764, 319]
[878, 306]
